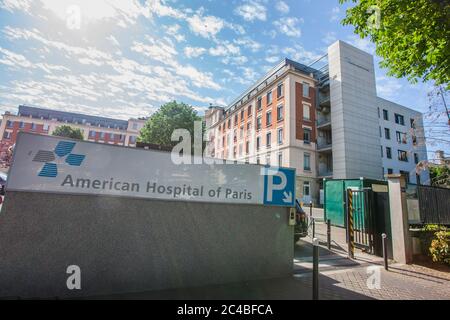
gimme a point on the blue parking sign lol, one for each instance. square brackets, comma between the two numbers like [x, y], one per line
[279, 186]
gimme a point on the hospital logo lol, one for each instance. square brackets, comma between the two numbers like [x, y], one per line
[61, 155]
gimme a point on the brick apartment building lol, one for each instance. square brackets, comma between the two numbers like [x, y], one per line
[325, 120]
[45, 121]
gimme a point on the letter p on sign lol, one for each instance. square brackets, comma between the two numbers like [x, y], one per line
[279, 186]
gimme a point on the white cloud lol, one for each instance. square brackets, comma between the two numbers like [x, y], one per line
[13, 5]
[248, 43]
[239, 60]
[282, 7]
[174, 32]
[329, 38]
[160, 8]
[334, 15]
[224, 49]
[159, 50]
[194, 52]
[205, 26]
[272, 59]
[363, 44]
[91, 11]
[387, 87]
[252, 10]
[113, 40]
[300, 54]
[289, 26]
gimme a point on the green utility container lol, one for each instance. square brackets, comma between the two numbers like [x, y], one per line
[335, 194]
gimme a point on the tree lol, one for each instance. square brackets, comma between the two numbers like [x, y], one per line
[170, 116]
[68, 132]
[412, 37]
[440, 176]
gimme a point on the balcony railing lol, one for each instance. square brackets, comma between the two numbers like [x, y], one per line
[323, 146]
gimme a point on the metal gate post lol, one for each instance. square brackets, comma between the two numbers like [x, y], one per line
[329, 234]
[351, 245]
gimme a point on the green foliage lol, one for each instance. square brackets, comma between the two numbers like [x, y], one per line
[170, 116]
[440, 248]
[440, 176]
[68, 132]
[412, 38]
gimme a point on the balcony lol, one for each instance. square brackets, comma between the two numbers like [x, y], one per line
[325, 174]
[324, 146]
[324, 123]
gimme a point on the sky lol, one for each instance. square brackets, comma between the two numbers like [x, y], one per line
[123, 59]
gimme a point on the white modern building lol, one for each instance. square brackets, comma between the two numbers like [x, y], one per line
[325, 120]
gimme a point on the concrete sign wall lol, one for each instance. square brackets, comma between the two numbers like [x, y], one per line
[57, 165]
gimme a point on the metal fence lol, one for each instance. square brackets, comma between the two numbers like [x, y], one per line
[434, 205]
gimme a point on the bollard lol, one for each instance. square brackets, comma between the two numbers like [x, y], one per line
[313, 227]
[385, 256]
[315, 269]
[310, 208]
[351, 245]
[329, 234]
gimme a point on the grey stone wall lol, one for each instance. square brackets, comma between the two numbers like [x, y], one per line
[131, 245]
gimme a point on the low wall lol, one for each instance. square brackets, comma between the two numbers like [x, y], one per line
[130, 245]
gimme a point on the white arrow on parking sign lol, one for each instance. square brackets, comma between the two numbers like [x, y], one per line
[287, 197]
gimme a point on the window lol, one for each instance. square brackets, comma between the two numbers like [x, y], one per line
[305, 90]
[132, 139]
[399, 119]
[379, 129]
[280, 90]
[247, 147]
[280, 112]
[249, 111]
[112, 136]
[412, 123]
[21, 124]
[306, 189]
[268, 159]
[416, 158]
[402, 155]
[385, 114]
[249, 127]
[306, 135]
[306, 112]
[378, 110]
[387, 133]
[390, 171]
[401, 137]
[258, 123]
[259, 104]
[405, 174]
[33, 126]
[241, 131]
[7, 135]
[280, 136]
[102, 135]
[235, 119]
[45, 127]
[306, 162]
[269, 118]
[242, 115]
[135, 126]
[268, 139]
[91, 134]
[381, 151]
[229, 123]
[269, 97]
[223, 141]
[258, 143]
[388, 153]
[9, 124]
[280, 159]
[258, 161]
